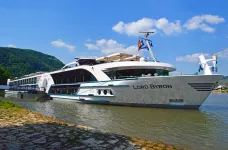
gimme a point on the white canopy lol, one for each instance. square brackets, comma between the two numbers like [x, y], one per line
[119, 57]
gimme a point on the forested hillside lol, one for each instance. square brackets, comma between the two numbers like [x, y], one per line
[20, 62]
[4, 75]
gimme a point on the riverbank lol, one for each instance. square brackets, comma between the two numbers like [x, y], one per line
[23, 129]
[220, 91]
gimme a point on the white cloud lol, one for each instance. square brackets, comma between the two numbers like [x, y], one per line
[133, 28]
[128, 50]
[60, 43]
[165, 26]
[111, 46]
[168, 27]
[11, 45]
[201, 22]
[195, 57]
[91, 46]
[147, 24]
[191, 58]
[213, 19]
[223, 53]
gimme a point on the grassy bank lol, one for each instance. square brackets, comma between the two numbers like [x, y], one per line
[5, 104]
[23, 129]
[220, 91]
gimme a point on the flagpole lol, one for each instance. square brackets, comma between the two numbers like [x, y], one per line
[146, 34]
[150, 50]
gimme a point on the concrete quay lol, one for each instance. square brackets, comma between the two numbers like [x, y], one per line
[23, 129]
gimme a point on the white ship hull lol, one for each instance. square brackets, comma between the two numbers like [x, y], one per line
[187, 91]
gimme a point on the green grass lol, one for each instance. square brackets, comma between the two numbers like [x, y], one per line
[8, 104]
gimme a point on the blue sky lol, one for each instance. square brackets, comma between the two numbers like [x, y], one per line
[69, 28]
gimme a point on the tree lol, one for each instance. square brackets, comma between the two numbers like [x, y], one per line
[20, 62]
[4, 75]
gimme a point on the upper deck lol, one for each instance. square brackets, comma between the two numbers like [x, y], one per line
[119, 61]
[115, 66]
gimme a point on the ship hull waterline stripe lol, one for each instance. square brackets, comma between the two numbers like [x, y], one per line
[75, 95]
[105, 102]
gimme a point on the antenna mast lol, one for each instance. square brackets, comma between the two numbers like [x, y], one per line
[208, 69]
[146, 34]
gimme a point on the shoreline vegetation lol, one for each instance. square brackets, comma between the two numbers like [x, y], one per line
[19, 62]
[23, 129]
[220, 91]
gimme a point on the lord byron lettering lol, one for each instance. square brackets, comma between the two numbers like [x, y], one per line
[152, 86]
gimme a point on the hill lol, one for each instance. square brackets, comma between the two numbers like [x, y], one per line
[4, 75]
[20, 62]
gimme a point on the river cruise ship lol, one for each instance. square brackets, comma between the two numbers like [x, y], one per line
[125, 79]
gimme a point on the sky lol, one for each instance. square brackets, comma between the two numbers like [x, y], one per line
[93, 28]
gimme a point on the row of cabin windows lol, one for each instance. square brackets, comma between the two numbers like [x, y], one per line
[25, 87]
[24, 81]
[73, 79]
[136, 73]
[64, 89]
[73, 76]
[80, 75]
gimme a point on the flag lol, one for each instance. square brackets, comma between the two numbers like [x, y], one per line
[146, 47]
[140, 44]
[151, 43]
[200, 68]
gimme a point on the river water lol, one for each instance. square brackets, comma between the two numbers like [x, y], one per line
[206, 128]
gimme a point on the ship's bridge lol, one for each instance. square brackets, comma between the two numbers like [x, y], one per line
[121, 65]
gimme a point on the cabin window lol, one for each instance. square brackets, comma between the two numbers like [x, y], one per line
[64, 89]
[73, 76]
[87, 62]
[70, 66]
[128, 73]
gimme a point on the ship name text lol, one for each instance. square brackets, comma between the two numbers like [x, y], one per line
[152, 86]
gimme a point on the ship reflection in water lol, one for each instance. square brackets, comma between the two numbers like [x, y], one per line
[206, 128]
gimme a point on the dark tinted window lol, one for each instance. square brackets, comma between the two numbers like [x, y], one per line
[87, 62]
[73, 76]
[64, 89]
[136, 73]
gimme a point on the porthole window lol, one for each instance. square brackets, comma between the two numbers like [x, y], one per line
[105, 92]
[111, 92]
[99, 92]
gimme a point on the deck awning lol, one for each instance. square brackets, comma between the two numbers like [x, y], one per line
[118, 57]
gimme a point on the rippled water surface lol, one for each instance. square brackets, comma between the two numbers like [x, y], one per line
[206, 128]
